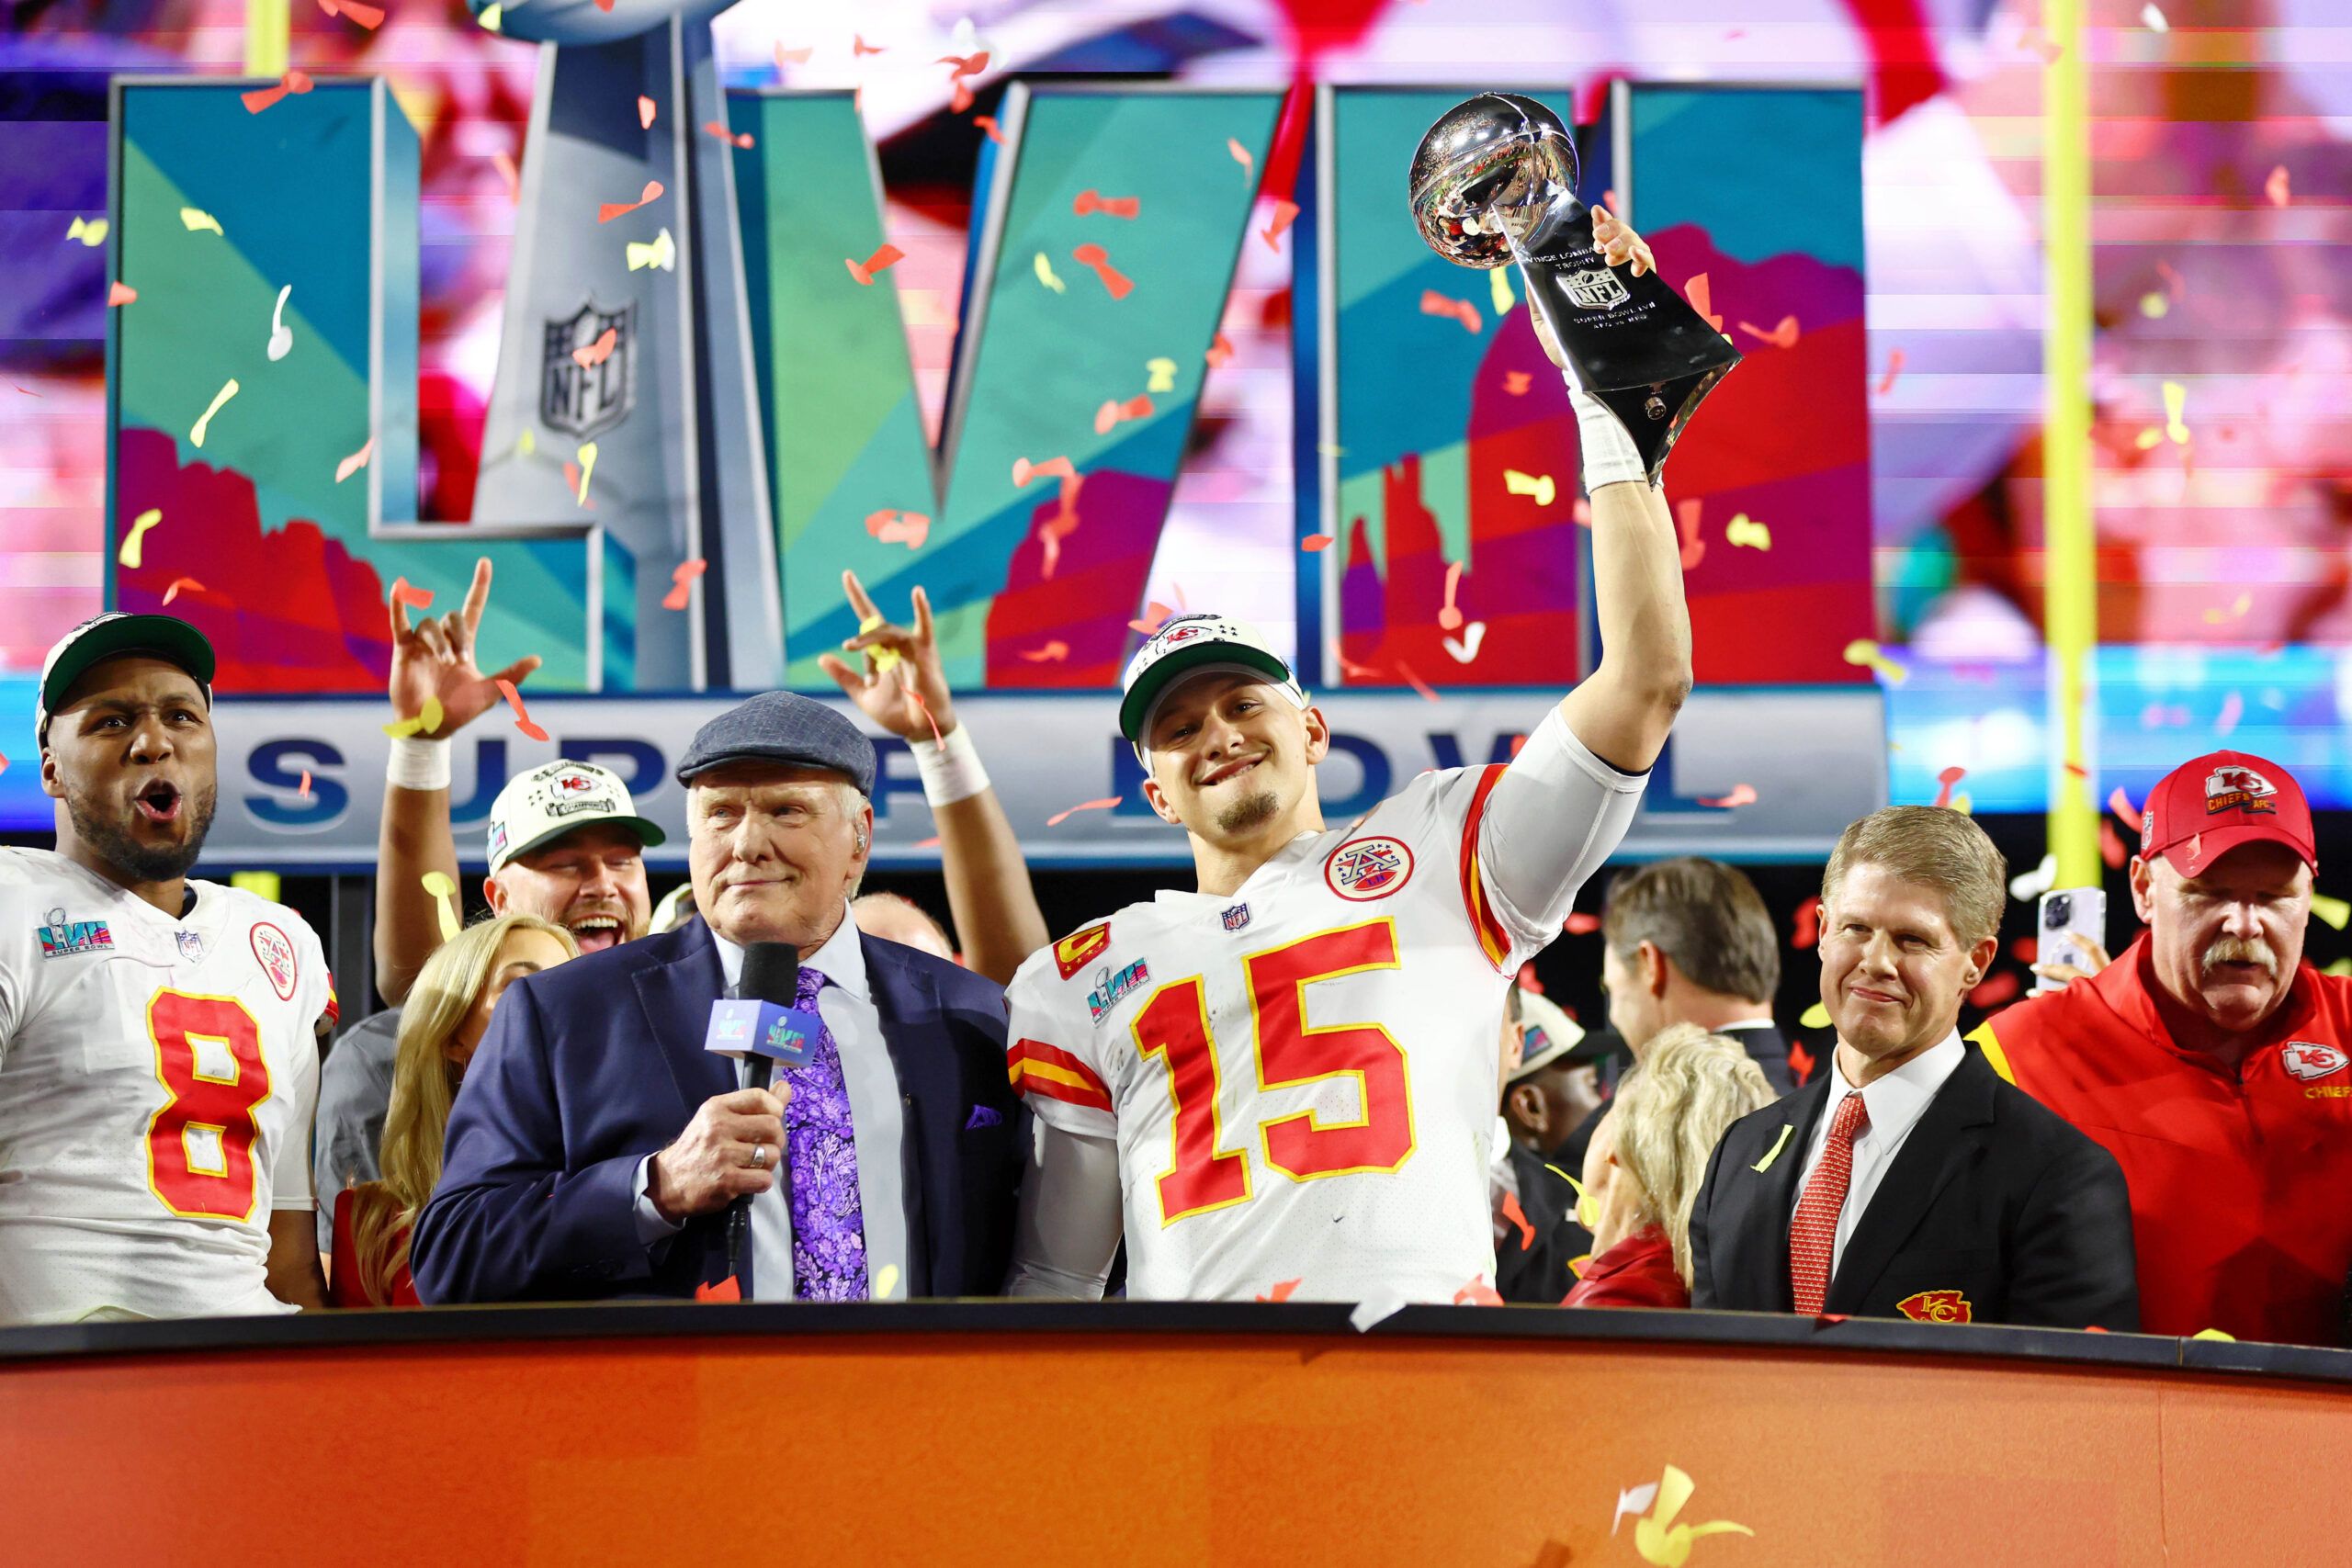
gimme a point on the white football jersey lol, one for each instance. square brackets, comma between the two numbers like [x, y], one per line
[157, 1079]
[1302, 1075]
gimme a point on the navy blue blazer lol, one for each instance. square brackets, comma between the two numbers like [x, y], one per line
[590, 1066]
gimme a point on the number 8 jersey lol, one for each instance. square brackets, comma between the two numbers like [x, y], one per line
[1302, 1075]
[157, 1079]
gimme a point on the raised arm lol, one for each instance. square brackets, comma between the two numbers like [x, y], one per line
[432, 659]
[988, 893]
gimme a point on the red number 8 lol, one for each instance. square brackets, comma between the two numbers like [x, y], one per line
[177, 1021]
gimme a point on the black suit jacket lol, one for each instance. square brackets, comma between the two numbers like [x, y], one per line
[590, 1066]
[1995, 1211]
[1537, 1271]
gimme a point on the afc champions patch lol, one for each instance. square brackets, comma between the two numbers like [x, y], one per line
[2311, 1061]
[1071, 953]
[1363, 869]
[276, 955]
[1935, 1306]
[2238, 788]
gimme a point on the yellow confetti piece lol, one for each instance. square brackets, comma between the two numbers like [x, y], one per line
[443, 894]
[2154, 305]
[2215, 1334]
[2341, 966]
[1814, 1016]
[91, 232]
[661, 252]
[886, 1283]
[1745, 530]
[587, 455]
[195, 436]
[139, 526]
[196, 218]
[1499, 281]
[884, 659]
[492, 17]
[1539, 486]
[1960, 803]
[1774, 1152]
[1659, 1540]
[2175, 405]
[527, 443]
[1163, 375]
[1045, 275]
[1863, 650]
[265, 885]
[2151, 436]
[2335, 912]
[425, 723]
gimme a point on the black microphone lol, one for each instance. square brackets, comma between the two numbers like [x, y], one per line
[771, 974]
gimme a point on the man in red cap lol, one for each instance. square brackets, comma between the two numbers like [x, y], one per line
[2213, 1063]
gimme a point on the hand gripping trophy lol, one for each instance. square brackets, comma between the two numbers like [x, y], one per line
[633, 337]
[1495, 181]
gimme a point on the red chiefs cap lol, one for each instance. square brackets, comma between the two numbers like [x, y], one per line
[2211, 805]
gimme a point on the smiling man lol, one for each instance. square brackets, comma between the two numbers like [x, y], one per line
[1906, 1180]
[1288, 1077]
[2214, 1062]
[158, 1051]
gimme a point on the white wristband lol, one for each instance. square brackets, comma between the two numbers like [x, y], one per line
[1609, 456]
[417, 763]
[950, 767]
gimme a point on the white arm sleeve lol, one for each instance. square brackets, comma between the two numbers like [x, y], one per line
[1067, 1231]
[1555, 815]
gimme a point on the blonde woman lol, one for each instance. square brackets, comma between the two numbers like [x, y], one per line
[447, 1013]
[1643, 1168]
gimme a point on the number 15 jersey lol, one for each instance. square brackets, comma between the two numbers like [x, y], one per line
[157, 1079]
[1301, 1076]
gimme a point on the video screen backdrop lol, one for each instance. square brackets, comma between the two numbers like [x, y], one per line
[2224, 359]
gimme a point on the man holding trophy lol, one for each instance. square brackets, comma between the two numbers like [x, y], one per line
[1288, 1078]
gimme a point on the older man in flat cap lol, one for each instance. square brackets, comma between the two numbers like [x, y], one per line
[597, 1144]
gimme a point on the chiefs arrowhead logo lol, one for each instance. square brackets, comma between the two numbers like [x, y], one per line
[2308, 1059]
[1935, 1306]
[1071, 953]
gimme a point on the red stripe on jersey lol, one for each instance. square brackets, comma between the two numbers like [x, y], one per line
[1493, 940]
[1059, 1069]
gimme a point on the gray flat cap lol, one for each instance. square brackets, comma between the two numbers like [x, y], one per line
[783, 727]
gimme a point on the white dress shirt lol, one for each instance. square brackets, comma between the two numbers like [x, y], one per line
[1895, 1102]
[877, 1118]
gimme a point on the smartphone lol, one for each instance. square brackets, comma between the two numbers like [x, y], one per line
[2070, 917]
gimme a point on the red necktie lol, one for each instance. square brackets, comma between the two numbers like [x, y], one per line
[1813, 1235]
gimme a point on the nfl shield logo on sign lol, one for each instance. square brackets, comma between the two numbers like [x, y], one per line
[583, 401]
[1595, 289]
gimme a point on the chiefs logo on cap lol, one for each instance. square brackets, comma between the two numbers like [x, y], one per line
[1935, 1306]
[1071, 953]
[2308, 1059]
[2238, 788]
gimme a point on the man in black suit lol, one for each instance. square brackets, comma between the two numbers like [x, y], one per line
[1909, 1179]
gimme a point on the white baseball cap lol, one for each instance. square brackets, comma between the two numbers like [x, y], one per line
[1189, 645]
[109, 636]
[540, 806]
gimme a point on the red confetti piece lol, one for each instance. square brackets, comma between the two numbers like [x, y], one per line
[1092, 201]
[1285, 214]
[1477, 1293]
[964, 65]
[894, 527]
[1281, 1291]
[1095, 256]
[1241, 156]
[304, 791]
[1807, 923]
[2093, 1329]
[1058, 817]
[1112, 412]
[1024, 470]
[191, 584]
[596, 352]
[1694, 548]
[1581, 924]
[572, 484]
[2076, 769]
[791, 56]
[1155, 616]
[1800, 1063]
[682, 582]
[2121, 804]
[608, 211]
[1528, 980]
[2277, 187]
[505, 164]
[987, 122]
[1893, 368]
[1996, 988]
[937, 739]
[368, 16]
[1948, 778]
[261, 99]
[1220, 352]
[1315, 543]
[1436, 304]
[1449, 618]
[405, 592]
[2025, 950]
[880, 260]
[1702, 301]
[930, 843]
[120, 294]
[1054, 652]
[521, 714]
[712, 127]
[1518, 1216]
[1741, 794]
[1784, 336]
[2111, 846]
[1830, 1317]
[727, 1290]
[1516, 382]
[645, 109]
[858, 46]
[1406, 671]
[356, 461]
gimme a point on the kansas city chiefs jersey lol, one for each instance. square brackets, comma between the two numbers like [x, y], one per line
[1301, 1076]
[157, 1078]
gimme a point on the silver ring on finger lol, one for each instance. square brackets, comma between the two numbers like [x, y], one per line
[759, 1157]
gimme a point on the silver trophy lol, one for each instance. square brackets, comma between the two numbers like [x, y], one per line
[1495, 182]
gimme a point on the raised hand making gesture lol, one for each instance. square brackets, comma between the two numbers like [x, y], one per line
[907, 694]
[435, 658]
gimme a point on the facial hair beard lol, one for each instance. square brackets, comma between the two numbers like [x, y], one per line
[1250, 811]
[2239, 950]
[139, 861]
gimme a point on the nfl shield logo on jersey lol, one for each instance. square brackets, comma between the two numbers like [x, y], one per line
[1236, 916]
[276, 955]
[2309, 1060]
[191, 946]
[1368, 868]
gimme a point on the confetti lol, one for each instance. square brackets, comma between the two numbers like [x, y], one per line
[1473, 638]
[1946, 779]
[1538, 486]
[1694, 544]
[1162, 373]
[596, 352]
[403, 592]
[1241, 156]
[92, 232]
[1516, 382]
[1405, 672]
[1281, 1291]
[886, 1283]
[1498, 291]
[2001, 985]
[1316, 542]
[2236, 612]
[1741, 794]
[189, 583]
[885, 659]
[1054, 652]
[2026, 886]
[2121, 804]
[1863, 650]
[714, 127]
[2153, 304]
[130, 552]
[645, 111]
[120, 293]
[1632, 1500]
[2215, 1334]
[1371, 1312]
[608, 210]
[660, 252]
[2111, 846]
[1058, 817]
[727, 1290]
[894, 527]
[882, 260]
[1095, 256]
[964, 65]
[505, 163]
[1448, 617]
[1477, 1293]
[987, 122]
[2154, 19]
[1155, 616]
[1814, 1016]
[303, 791]
[1702, 296]
[1219, 352]
[2176, 404]
[1436, 304]
[425, 722]
[2275, 186]
[195, 436]
[281, 336]
[1805, 928]
[490, 17]
[1045, 275]
[1581, 924]
[2336, 912]
[587, 456]
[858, 46]
[1784, 336]
[1893, 368]
[194, 218]
[368, 16]
[1113, 413]
[1024, 470]
[1518, 1216]
[792, 56]
[1092, 201]
[1285, 214]
[521, 714]
[682, 582]
[1961, 803]
[444, 893]
[260, 98]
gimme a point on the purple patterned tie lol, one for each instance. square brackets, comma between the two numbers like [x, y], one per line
[828, 1224]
